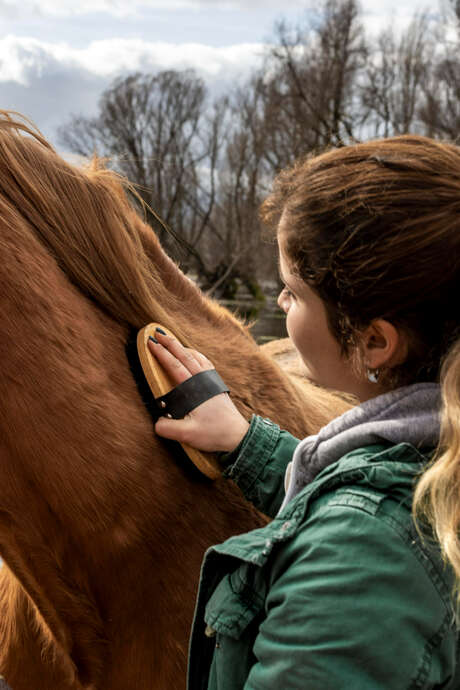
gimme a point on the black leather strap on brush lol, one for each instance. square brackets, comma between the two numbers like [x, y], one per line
[190, 393]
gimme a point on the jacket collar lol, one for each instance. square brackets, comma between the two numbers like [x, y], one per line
[379, 467]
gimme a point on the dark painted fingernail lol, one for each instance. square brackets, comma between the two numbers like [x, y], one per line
[154, 340]
[160, 330]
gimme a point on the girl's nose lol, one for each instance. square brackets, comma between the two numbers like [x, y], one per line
[281, 301]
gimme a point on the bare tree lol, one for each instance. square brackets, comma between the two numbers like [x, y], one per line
[239, 190]
[304, 98]
[150, 127]
[396, 76]
[455, 7]
[312, 90]
[194, 164]
[440, 111]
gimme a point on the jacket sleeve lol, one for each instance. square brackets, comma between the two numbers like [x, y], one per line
[349, 606]
[258, 464]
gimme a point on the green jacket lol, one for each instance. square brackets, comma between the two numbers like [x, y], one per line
[337, 592]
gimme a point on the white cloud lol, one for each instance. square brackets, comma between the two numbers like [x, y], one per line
[115, 55]
[50, 81]
[24, 59]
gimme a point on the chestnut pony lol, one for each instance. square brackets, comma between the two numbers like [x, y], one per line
[102, 527]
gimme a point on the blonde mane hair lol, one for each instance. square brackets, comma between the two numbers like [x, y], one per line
[437, 494]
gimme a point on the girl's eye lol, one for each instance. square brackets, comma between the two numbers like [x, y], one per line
[288, 293]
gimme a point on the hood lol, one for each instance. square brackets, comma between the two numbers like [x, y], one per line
[406, 415]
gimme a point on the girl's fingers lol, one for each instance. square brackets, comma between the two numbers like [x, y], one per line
[180, 362]
[203, 360]
[174, 367]
[181, 353]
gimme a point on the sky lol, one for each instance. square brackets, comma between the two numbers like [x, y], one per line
[58, 56]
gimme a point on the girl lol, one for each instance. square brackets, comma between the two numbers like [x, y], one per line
[338, 590]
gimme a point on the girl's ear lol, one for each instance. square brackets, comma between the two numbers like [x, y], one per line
[384, 345]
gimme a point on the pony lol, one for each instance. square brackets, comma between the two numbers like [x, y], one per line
[103, 525]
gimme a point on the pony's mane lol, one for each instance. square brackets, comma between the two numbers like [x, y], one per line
[84, 217]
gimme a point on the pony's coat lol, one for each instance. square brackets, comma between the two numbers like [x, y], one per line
[102, 530]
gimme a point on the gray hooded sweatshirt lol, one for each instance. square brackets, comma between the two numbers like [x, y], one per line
[405, 415]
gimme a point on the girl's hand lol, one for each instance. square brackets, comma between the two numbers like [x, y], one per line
[215, 425]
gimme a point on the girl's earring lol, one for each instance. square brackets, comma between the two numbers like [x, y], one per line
[373, 375]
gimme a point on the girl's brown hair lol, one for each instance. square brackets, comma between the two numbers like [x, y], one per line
[375, 229]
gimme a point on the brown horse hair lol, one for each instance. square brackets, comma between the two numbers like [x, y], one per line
[101, 529]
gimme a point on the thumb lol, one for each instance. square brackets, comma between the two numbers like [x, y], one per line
[175, 429]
